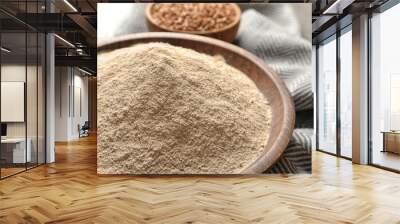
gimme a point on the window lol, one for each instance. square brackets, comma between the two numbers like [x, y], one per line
[327, 96]
[385, 89]
[333, 106]
[346, 75]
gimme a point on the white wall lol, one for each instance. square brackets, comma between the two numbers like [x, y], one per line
[13, 72]
[70, 81]
[82, 82]
[62, 82]
[79, 117]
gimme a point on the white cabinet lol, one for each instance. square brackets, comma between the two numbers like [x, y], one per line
[19, 155]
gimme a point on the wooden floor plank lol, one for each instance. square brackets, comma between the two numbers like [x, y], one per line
[70, 191]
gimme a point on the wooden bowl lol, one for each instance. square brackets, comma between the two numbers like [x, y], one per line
[227, 33]
[273, 88]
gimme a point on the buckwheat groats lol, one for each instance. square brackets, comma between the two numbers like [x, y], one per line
[193, 16]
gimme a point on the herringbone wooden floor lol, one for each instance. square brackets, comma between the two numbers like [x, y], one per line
[69, 191]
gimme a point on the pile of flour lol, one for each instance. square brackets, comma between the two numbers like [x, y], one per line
[169, 110]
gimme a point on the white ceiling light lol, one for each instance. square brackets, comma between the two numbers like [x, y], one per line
[86, 72]
[79, 51]
[5, 50]
[337, 7]
[65, 41]
[70, 5]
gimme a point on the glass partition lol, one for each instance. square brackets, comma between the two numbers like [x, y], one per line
[22, 77]
[14, 153]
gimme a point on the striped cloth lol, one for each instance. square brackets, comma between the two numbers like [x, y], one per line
[279, 43]
[273, 33]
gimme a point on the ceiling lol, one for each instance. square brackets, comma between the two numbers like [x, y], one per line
[16, 42]
[331, 15]
[76, 22]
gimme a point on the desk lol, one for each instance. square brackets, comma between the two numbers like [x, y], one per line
[15, 148]
[391, 141]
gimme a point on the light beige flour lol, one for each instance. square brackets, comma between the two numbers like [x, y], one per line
[170, 110]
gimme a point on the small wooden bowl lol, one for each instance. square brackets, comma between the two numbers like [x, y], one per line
[227, 33]
[273, 88]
